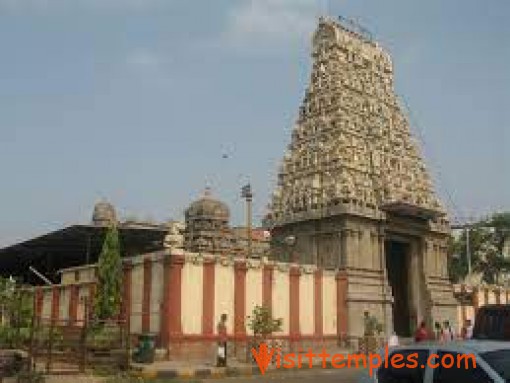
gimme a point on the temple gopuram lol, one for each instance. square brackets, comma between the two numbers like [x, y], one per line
[354, 192]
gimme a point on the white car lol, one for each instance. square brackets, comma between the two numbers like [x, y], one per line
[423, 363]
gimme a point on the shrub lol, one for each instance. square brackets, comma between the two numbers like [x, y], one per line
[262, 323]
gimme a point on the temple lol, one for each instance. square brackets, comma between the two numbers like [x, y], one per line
[355, 226]
[354, 192]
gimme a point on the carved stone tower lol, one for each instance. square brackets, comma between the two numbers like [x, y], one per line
[354, 192]
[207, 226]
[104, 214]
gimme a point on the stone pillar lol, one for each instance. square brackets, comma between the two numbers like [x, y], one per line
[208, 297]
[318, 312]
[463, 294]
[172, 320]
[126, 295]
[314, 242]
[294, 275]
[374, 251]
[240, 299]
[342, 325]
[39, 301]
[356, 247]
[416, 284]
[74, 296]
[429, 269]
[348, 247]
[146, 300]
[387, 306]
[55, 303]
[267, 286]
[425, 260]
[424, 310]
[339, 261]
[91, 300]
[361, 255]
[476, 300]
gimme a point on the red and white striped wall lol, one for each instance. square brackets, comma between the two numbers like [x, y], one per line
[182, 296]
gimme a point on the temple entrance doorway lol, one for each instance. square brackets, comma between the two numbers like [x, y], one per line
[397, 266]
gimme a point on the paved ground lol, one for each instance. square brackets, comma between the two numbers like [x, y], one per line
[302, 376]
[207, 369]
[313, 376]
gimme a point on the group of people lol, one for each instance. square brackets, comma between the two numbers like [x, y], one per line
[443, 333]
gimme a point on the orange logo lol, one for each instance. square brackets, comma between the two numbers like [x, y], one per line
[263, 357]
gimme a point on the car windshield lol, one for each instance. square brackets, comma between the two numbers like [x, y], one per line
[500, 362]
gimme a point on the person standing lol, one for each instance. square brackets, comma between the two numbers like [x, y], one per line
[438, 331]
[448, 335]
[393, 341]
[469, 329]
[222, 342]
[421, 333]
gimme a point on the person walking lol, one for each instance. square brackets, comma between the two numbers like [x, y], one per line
[222, 342]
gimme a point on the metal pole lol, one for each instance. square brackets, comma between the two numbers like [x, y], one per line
[46, 280]
[468, 250]
[249, 224]
[247, 194]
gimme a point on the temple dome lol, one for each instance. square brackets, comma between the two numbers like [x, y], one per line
[208, 208]
[104, 214]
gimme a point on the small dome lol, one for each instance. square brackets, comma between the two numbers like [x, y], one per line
[208, 207]
[104, 214]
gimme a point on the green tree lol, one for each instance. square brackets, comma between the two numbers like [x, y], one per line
[488, 240]
[15, 313]
[501, 233]
[109, 278]
[457, 260]
[491, 264]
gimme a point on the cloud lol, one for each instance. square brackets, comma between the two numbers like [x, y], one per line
[150, 66]
[271, 23]
[145, 60]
